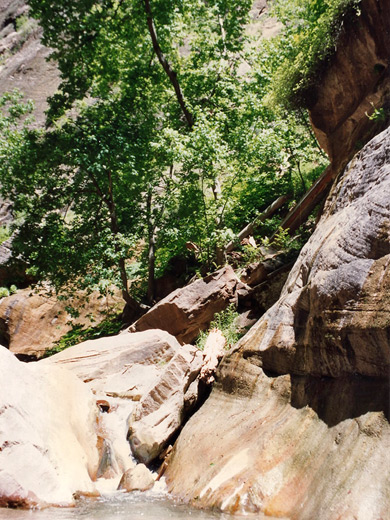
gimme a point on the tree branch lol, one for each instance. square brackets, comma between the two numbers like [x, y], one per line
[166, 66]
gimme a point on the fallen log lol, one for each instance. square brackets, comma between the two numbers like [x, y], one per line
[249, 229]
[309, 201]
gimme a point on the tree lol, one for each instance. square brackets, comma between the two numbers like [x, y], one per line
[155, 137]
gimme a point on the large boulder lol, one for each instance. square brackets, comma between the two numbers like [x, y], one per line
[189, 310]
[32, 322]
[48, 444]
[297, 425]
[161, 411]
[333, 316]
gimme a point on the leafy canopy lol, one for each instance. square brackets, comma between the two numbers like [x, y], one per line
[158, 136]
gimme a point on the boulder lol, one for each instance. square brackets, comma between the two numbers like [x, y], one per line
[297, 424]
[187, 311]
[119, 370]
[47, 434]
[137, 479]
[31, 322]
[123, 366]
[160, 412]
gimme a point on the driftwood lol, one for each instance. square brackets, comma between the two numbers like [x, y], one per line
[249, 229]
[212, 355]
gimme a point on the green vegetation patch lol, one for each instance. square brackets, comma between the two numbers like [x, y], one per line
[312, 30]
[226, 322]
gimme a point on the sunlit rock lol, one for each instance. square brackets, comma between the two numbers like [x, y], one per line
[138, 478]
[47, 434]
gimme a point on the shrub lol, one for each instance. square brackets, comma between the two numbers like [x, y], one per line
[225, 321]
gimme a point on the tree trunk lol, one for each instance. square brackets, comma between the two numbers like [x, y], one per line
[249, 229]
[151, 250]
[166, 66]
[309, 201]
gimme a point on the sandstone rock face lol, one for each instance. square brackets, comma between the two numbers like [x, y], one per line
[357, 77]
[31, 323]
[147, 376]
[138, 478]
[333, 317]
[187, 311]
[160, 412]
[25, 66]
[249, 450]
[47, 434]
[298, 423]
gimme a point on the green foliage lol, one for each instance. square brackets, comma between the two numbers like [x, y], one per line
[378, 114]
[4, 292]
[311, 32]
[109, 327]
[5, 233]
[225, 321]
[13, 289]
[124, 172]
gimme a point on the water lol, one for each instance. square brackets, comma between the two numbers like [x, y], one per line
[129, 506]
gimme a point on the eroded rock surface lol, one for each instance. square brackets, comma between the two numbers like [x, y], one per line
[187, 311]
[356, 80]
[249, 450]
[333, 317]
[47, 434]
[298, 423]
[31, 322]
[161, 411]
[147, 379]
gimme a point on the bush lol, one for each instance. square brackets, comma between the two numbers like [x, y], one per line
[225, 321]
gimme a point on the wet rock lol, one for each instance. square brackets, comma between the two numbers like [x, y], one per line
[120, 370]
[187, 311]
[47, 434]
[138, 478]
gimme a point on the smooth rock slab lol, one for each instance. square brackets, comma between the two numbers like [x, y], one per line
[120, 370]
[47, 434]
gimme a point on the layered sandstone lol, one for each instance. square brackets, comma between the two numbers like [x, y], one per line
[298, 423]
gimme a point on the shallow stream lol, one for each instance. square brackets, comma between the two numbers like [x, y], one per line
[129, 506]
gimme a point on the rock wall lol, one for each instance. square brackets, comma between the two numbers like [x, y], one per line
[355, 81]
[298, 423]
